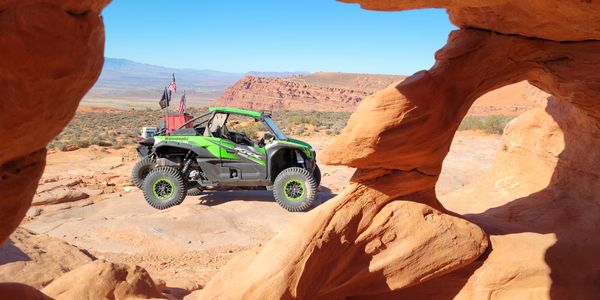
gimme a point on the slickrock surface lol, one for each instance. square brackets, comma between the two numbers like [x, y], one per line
[38, 259]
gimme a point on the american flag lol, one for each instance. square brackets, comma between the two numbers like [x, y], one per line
[172, 86]
[181, 107]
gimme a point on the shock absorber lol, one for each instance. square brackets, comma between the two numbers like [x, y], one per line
[187, 163]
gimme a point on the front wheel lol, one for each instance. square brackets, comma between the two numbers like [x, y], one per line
[295, 189]
[164, 187]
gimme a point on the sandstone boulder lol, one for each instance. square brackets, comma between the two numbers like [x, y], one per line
[104, 280]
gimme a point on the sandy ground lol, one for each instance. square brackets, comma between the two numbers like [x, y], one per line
[187, 244]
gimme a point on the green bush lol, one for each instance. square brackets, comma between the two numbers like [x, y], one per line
[491, 124]
[252, 131]
[82, 143]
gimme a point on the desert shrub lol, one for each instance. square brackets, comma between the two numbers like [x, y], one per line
[300, 130]
[82, 143]
[253, 131]
[60, 146]
[104, 144]
[117, 145]
[290, 121]
[491, 124]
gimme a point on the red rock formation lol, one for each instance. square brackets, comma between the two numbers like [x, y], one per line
[540, 209]
[52, 53]
[319, 91]
[556, 20]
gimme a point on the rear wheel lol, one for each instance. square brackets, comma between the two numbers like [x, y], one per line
[295, 189]
[164, 187]
[141, 170]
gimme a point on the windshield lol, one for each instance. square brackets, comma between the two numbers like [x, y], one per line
[274, 129]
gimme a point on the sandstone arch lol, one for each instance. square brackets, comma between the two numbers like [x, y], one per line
[398, 138]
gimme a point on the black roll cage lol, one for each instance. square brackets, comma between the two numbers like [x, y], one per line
[212, 113]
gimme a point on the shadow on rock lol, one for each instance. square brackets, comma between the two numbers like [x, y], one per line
[213, 198]
[10, 253]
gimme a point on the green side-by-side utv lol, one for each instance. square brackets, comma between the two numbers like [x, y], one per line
[207, 152]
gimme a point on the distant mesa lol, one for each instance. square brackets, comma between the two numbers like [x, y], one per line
[276, 74]
[322, 91]
[333, 91]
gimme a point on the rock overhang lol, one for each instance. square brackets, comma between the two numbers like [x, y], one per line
[555, 20]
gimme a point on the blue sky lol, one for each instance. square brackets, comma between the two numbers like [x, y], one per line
[274, 35]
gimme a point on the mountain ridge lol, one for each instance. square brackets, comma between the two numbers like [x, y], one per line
[126, 83]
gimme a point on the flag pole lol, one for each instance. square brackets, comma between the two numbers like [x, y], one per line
[171, 88]
[167, 117]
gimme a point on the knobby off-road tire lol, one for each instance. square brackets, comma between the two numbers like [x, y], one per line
[141, 169]
[164, 187]
[317, 175]
[295, 189]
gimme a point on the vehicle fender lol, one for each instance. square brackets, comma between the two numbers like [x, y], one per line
[200, 152]
[273, 150]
